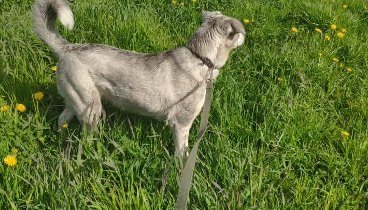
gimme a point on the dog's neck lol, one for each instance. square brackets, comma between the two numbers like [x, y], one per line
[205, 61]
[205, 44]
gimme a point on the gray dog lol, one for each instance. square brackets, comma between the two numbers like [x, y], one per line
[169, 86]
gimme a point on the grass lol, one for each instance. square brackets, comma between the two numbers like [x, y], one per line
[280, 106]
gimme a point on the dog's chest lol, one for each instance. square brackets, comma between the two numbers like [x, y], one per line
[199, 103]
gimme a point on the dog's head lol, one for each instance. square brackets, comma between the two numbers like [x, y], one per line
[229, 29]
[217, 36]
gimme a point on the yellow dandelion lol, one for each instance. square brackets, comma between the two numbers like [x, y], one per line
[318, 30]
[53, 68]
[38, 96]
[14, 151]
[333, 26]
[4, 108]
[294, 30]
[246, 21]
[21, 107]
[65, 125]
[335, 60]
[340, 35]
[327, 38]
[10, 160]
[345, 134]
[343, 30]
[349, 69]
[345, 6]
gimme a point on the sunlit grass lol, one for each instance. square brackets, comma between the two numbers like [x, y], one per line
[288, 121]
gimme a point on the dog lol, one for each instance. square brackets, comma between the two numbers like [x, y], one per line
[169, 86]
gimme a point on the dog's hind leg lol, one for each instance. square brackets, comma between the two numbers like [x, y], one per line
[93, 111]
[87, 106]
[82, 99]
[65, 117]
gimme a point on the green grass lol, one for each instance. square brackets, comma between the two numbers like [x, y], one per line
[278, 112]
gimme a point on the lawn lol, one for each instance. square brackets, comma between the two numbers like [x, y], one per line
[288, 124]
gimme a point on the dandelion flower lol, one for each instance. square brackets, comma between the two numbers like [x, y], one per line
[246, 21]
[349, 69]
[343, 30]
[10, 160]
[318, 30]
[345, 6]
[14, 151]
[333, 26]
[65, 125]
[345, 134]
[335, 60]
[294, 30]
[54, 68]
[4, 108]
[327, 38]
[38, 96]
[21, 107]
[340, 35]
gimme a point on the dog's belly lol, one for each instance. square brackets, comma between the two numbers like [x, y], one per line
[136, 102]
[155, 102]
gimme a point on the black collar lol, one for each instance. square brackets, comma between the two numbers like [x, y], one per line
[204, 60]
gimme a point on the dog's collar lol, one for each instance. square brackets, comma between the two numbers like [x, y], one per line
[204, 60]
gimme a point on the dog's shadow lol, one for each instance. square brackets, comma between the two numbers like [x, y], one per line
[118, 125]
[124, 129]
[135, 127]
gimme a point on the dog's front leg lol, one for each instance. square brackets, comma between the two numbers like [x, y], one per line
[181, 134]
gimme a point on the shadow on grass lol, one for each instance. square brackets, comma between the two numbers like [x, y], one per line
[118, 124]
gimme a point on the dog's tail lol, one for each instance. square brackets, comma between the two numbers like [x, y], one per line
[45, 13]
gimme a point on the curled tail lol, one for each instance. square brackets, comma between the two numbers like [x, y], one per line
[44, 15]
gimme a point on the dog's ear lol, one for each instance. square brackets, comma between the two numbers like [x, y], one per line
[235, 32]
[236, 26]
[231, 26]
